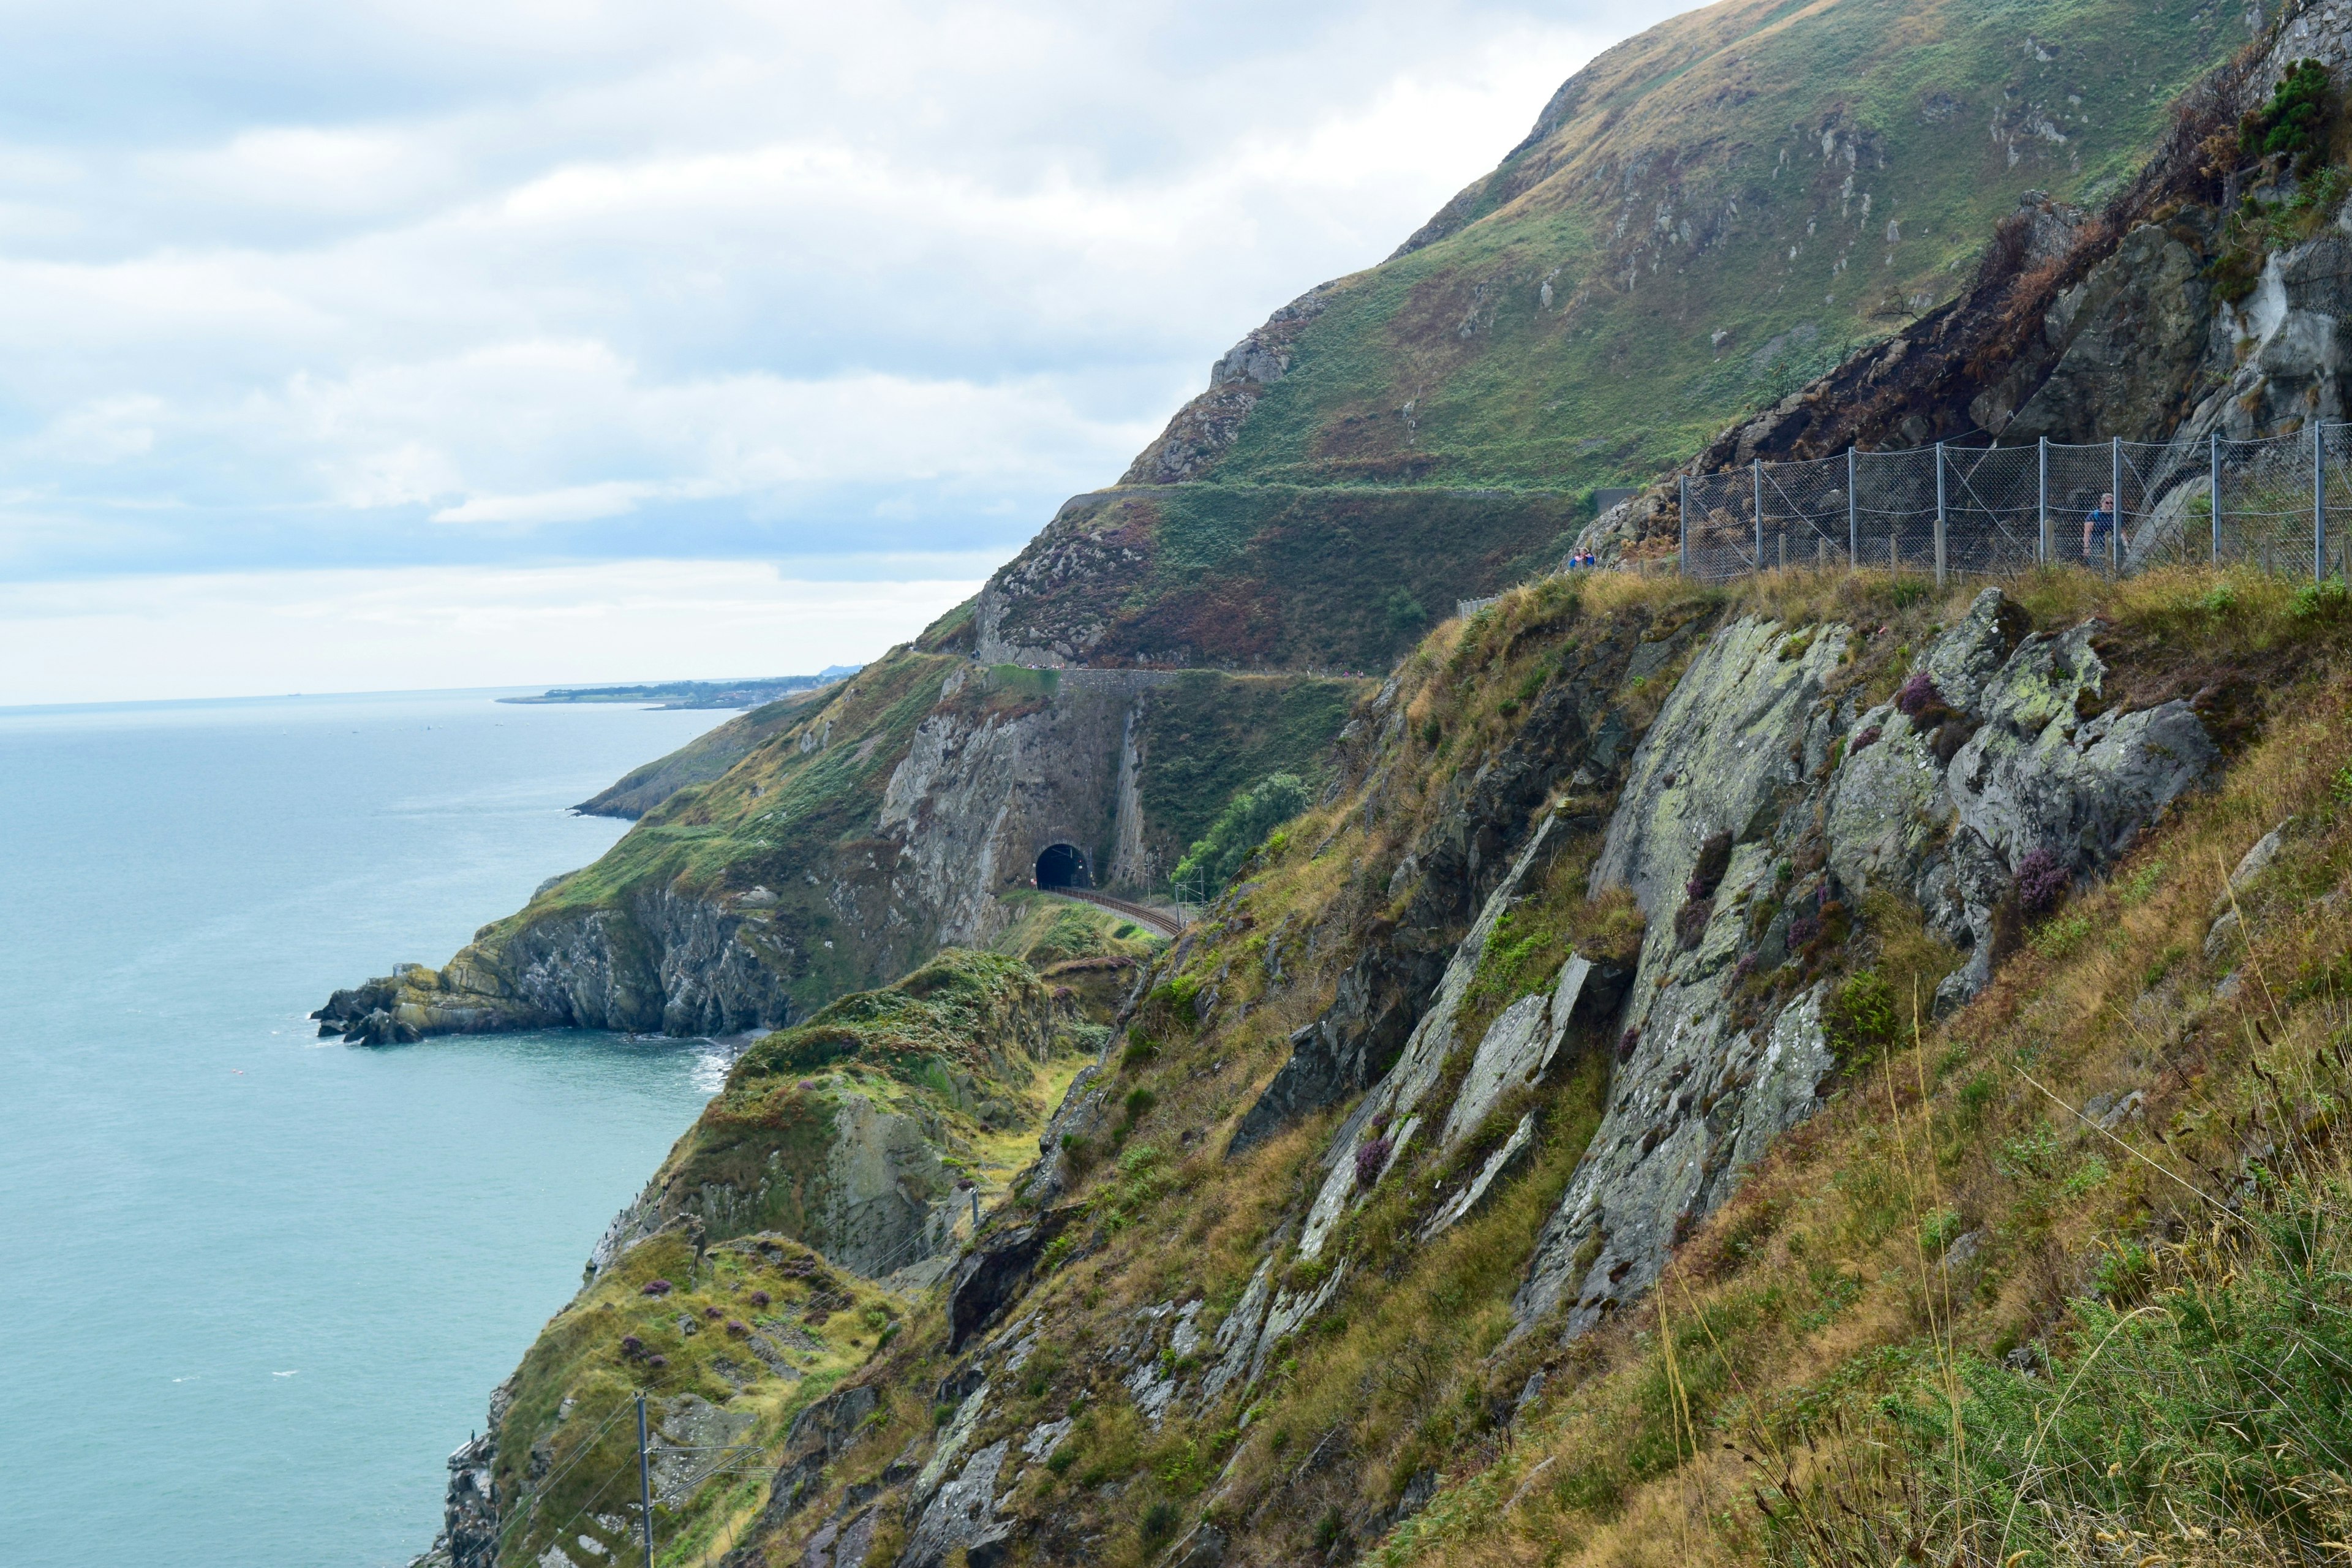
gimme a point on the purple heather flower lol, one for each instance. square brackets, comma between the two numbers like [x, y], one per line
[2041, 880]
[1917, 696]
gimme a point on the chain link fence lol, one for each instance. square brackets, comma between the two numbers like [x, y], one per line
[1990, 511]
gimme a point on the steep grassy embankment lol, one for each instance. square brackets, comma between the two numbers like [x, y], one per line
[1947, 1206]
[737, 1287]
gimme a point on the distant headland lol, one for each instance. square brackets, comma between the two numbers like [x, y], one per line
[746, 693]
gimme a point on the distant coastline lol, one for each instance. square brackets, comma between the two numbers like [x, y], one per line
[745, 693]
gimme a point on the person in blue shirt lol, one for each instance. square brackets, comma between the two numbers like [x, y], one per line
[2099, 528]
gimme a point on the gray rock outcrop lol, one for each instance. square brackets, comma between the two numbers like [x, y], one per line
[962, 1515]
[1573, 736]
[1697, 1097]
[2004, 745]
[998, 1266]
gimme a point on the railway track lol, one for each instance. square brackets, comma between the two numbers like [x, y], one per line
[1161, 921]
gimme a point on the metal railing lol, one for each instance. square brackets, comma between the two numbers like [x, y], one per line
[2285, 504]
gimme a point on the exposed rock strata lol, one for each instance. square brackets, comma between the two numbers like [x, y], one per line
[2011, 752]
[989, 768]
[663, 962]
[1574, 740]
[842, 1162]
[1699, 1096]
[1201, 431]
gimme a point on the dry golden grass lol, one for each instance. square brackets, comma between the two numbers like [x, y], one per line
[1816, 1291]
[1820, 1263]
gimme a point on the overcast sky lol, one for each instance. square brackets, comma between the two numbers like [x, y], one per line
[476, 341]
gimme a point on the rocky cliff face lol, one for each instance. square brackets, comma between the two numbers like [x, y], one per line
[1656, 853]
[1795, 806]
[862, 1132]
[853, 1147]
[846, 848]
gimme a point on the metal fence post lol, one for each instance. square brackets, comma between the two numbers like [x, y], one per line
[2318, 499]
[2216, 483]
[1852, 513]
[2041, 502]
[1682, 556]
[1756, 476]
[2115, 512]
[1939, 514]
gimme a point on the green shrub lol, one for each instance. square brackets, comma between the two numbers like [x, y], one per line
[1249, 817]
[2324, 600]
[2294, 121]
[1860, 1019]
[1158, 1522]
[2057, 938]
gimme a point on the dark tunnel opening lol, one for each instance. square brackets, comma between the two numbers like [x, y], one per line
[1063, 866]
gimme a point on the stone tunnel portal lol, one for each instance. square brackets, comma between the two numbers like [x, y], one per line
[1063, 866]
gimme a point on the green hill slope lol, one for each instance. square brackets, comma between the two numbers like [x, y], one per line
[1703, 220]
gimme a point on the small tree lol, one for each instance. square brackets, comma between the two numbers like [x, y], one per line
[2295, 123]
[1247, 818]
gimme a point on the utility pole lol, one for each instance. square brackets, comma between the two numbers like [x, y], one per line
[2318, 500]
[1756, 477]
[2115, 516]
[645, 1481]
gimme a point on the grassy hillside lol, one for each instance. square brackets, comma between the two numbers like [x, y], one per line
[1704, 220]
[1706, 217]
[1825, 1376]
[1290, 575]
[700, 760]
[975, 1046]
[723, 1306]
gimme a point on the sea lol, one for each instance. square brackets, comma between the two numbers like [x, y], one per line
[256, 1286]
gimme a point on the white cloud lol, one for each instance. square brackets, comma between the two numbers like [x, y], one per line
[628, 280]
[258, 633]
[574, 503]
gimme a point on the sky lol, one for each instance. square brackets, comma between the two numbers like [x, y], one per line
[373, 346]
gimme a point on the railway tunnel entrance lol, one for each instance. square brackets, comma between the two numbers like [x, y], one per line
[1064, 866]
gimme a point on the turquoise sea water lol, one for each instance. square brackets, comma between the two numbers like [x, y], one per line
[258, 1285]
